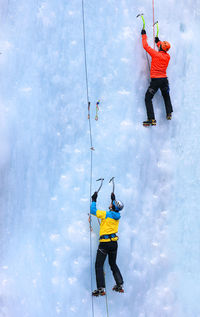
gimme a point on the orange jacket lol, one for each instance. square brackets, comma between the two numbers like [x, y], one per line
[159, 62]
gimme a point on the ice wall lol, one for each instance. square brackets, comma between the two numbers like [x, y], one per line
[45, 158]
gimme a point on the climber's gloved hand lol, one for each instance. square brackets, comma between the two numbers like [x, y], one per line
[94, 196]
[112, 196]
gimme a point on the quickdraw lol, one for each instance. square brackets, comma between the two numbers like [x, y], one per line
[97, 110]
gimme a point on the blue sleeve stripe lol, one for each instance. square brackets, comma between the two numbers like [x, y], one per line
[93, 208]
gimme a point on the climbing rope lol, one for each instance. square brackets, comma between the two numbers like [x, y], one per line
[91, 148]
[91, 144]
[107, 312]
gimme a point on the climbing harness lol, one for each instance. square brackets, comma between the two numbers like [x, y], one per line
[108, 236]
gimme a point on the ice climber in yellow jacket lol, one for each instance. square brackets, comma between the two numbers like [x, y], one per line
[107, 243]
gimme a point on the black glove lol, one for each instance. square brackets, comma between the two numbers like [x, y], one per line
[143, 32]
[157, 39]
[94, 196]
[112, 196]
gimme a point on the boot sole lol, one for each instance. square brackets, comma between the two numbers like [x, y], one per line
[121, 291]
[97, 295]
[149, 125]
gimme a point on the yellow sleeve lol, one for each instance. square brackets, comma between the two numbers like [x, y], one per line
[101, 214]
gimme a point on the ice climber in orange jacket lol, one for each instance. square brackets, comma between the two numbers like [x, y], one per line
[159, 64]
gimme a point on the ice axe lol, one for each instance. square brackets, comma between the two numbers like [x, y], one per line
[100, 179]
[157, 28]
[112, 180]
[142, 16]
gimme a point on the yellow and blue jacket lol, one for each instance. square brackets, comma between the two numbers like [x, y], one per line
[109, 222]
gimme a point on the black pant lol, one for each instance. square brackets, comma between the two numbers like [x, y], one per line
[155, 84]
[105, 248]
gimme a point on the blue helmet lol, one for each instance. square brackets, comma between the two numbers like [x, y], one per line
[118, 204]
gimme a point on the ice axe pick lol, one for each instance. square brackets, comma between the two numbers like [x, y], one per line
[142, 16]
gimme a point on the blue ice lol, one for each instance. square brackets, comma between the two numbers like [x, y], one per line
[45, 153]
